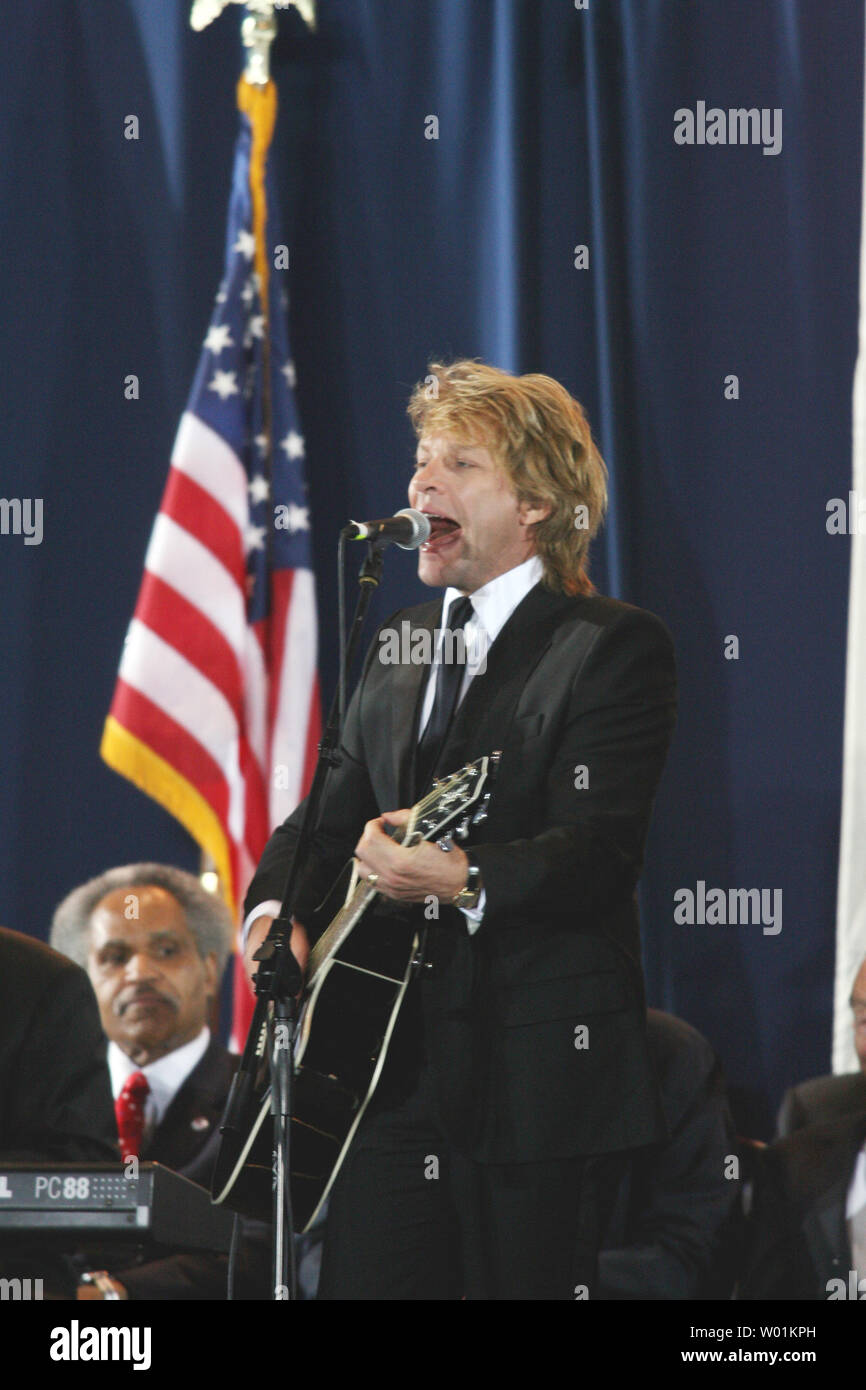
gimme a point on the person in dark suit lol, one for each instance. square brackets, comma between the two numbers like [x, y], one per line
[826, 1098]
[674, 1232]
[155, 945]
[55, 1101]
[808, 1221]
[530, 1079]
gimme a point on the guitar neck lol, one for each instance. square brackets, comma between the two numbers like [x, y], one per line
[335, 934]
[449, 798]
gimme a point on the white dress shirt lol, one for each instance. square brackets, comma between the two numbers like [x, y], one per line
[493, 604]
[855, 1215]
[165, 1076]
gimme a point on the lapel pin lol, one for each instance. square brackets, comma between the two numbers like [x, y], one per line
[200, 1122]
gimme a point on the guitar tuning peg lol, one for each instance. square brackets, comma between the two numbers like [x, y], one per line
[463, 828]
[482, 812]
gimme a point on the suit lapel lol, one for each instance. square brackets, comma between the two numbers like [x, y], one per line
[484, 716]
[194, 1112]
[410, 680]
[824, 1231]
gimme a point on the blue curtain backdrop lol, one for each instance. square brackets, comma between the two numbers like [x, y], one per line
[556, 129]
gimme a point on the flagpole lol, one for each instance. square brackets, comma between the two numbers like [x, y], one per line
[204, 12]
[258, 32]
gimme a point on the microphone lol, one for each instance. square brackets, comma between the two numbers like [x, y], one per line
[408, 529]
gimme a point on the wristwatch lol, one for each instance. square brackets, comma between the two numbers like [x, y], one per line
[469, 895]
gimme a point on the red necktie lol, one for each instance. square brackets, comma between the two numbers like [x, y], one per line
[129, 1109]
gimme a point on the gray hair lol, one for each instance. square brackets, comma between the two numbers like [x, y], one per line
[207, 916]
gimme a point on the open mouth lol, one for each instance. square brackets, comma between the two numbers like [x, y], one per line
[443, 529]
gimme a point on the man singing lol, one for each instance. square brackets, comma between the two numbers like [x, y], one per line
[521, 1061]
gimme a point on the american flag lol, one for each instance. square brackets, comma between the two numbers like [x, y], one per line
[216, 708]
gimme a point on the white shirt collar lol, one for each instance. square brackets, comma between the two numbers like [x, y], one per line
[495, 601]
[165, 1076]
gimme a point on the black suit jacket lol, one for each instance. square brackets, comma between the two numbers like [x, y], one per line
[798, 1237]
[55, 1093]
[187, 1140]
[569, 682]
[187, 1137]
[674, 1232]
[822, 1099]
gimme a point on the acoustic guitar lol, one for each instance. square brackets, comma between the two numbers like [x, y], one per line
[355, 986]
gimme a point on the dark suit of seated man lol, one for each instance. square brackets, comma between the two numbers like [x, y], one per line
[674, 1230]
[155, 944]
[808, 1219]
[808, 1223]
[827, 1098]
[55, 1101]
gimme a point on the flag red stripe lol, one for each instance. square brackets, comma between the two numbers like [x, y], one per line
[256, 822]
[184, 627]
[197, 511]
[174, 743]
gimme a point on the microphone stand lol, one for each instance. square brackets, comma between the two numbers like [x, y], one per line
[278, 980]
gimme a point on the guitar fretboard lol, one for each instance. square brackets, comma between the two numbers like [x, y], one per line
[349, 915]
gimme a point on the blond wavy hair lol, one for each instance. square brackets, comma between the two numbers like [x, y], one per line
[540, 435]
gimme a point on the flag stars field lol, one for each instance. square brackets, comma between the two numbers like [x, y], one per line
[254, 538]
[246, 244]
[225, 384]
[292, 518]
[219, 337]
[293, 445]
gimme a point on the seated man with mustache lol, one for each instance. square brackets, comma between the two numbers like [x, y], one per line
[154, 943]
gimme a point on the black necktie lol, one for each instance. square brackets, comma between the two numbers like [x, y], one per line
[449, 680]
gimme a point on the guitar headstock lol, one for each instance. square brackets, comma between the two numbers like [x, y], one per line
[449, 798]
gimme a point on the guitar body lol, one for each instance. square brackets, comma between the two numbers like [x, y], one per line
[342, 1046]
[357, 980]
